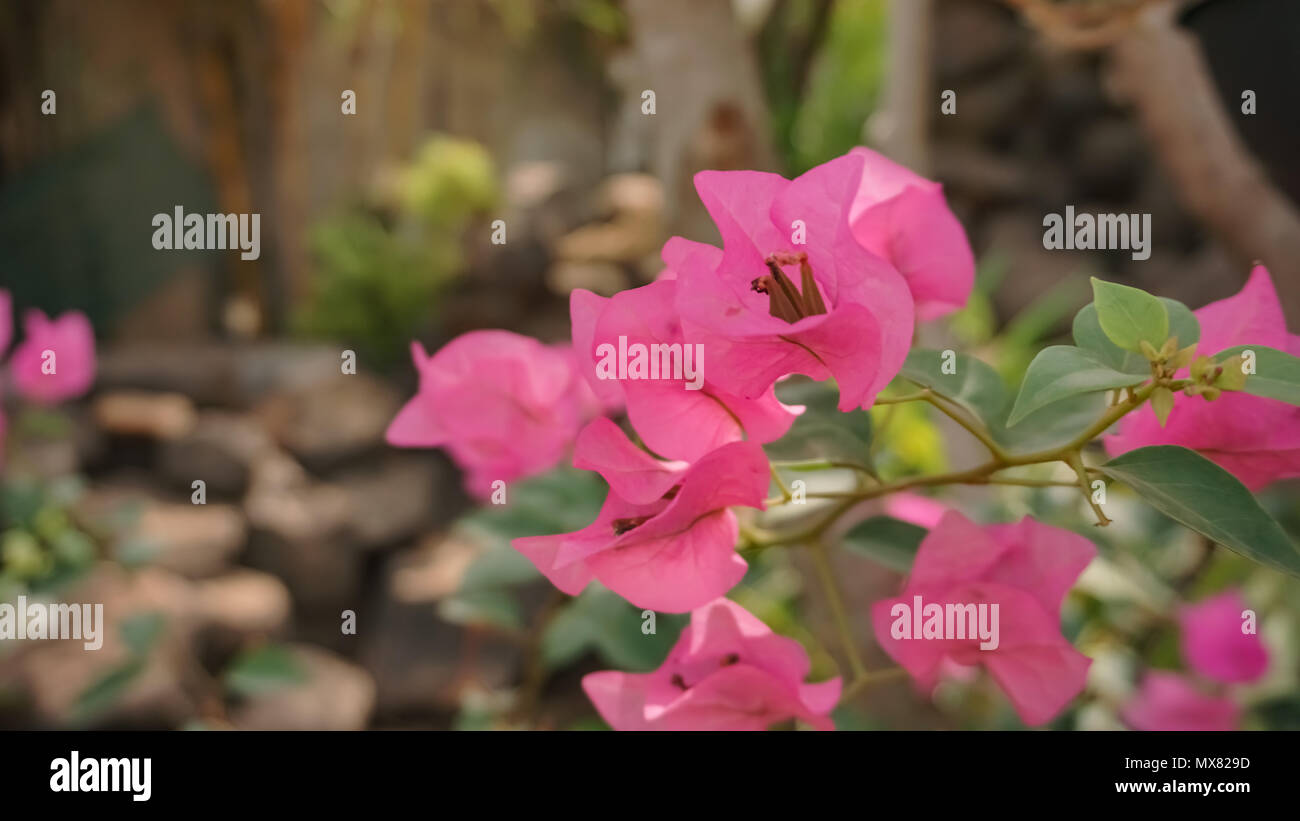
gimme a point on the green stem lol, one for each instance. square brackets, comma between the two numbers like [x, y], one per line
[818, 552]
[785, 490]
[871, 678]
[1075, 460]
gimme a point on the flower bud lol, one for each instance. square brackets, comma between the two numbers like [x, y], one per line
[1162, 402]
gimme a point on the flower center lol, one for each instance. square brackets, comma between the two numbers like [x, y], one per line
[783, 299]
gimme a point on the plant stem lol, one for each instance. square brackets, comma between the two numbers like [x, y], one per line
[818, 552]
[872, 677]
[776, 475]
[1075, 460]
[975, 428]
[978, 475]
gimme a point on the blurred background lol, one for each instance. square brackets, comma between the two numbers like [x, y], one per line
[376, 229]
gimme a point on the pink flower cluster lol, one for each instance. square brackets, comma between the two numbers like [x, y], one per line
[1220, 645]
[824, 275]
[55, 361]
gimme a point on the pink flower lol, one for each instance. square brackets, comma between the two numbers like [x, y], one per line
[1167, 701]
[1025, 570]
[903, 218]
[1214, 644]
[503, 405]
[664, 539]
[56, 359]
[1255, 439]
[791, 290]
[671, 402]
[728, 671]
[919, 510]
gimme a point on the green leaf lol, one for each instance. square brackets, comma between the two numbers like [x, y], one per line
[1053, 425]
[140, 631]
[1089, 336]
[561, 501]
[973, 384]
[1276, 376]
[498, 567]
[106, 690]
[1063, 371]
[263, 669]
[887, 541]
[1199, 494]
[980, 389]
[495, 608]
[821, 430]
[600, 620]
[1130, 316]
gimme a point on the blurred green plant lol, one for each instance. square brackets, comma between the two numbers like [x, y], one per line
[380, 268]
[823, 64]
[42, 547]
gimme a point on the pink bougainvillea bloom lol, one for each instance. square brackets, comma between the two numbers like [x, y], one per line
[919, 510]
[791, 290]
[636, 352]
[1255, 439]
[728, 671]
[504, 406]
[665, 538]
[904, 219]
[1214, 644]
[1026, 570]
[56, 359]
[1167, 701]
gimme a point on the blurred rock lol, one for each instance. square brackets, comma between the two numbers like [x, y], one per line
[421, 662]
[220, 450]
[431, 570]
[144, 413]
[243, 602]
[1109, 159]
[1017, 237]
[217, 374]
[974, 38]
[298, 534]
[978, 175]
[192, 540]
[635, 203]
[390, 502]
[326, 423]
[336, 695]
[994, 108]
[57, 675]
[604, 278]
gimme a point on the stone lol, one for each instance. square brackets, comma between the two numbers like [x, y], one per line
[192, 540]
[298, 533]
[150, 414]
[222, 375]
[333, 420]
[54, 676]
[243, 601]
[391, 502]
[220, 450]
[335, 695]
